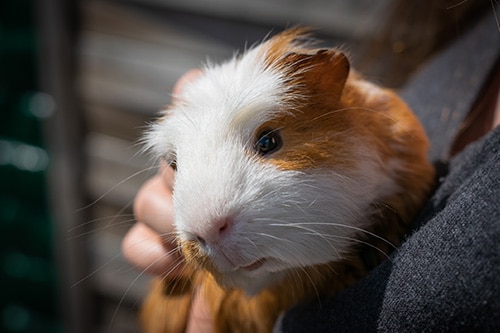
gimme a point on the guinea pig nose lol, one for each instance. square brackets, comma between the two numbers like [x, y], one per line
[224, 226]
[215, 231]
[201, 240]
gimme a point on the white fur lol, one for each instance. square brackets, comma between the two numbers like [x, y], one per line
[291, 218]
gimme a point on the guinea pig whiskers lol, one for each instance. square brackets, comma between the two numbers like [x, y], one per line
[271, 236]
[113, 222]
[125, 220]
[125, 293]
[140, 172]
[104, 227]
[298, 273]
[103, 265]
[356, 108]
[179, 261]
[97, 270]
[309, 231]
[252, 243]
[329, 113]
[361, 230]
[282, 223]
[170, 237]
[99, 219]
[311, 280]
[359, 241]
[381, 204]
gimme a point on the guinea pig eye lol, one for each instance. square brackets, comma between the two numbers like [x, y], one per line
[267, 142]
[173, 165]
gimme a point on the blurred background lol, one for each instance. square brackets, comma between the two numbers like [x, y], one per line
[79, 80]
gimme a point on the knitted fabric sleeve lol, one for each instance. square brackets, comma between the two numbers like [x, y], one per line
[444, 277]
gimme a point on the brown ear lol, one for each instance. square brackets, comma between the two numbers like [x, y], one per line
[324, 72]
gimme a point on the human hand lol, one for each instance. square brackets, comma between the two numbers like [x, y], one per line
[150, 244]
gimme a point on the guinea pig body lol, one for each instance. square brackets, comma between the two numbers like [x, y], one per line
[287, 161]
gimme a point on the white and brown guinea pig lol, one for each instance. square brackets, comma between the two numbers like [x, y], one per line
[294, 177]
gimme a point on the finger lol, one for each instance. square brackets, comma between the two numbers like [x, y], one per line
[200, 319]
[144, 248]
[187, 77]
[153, 203]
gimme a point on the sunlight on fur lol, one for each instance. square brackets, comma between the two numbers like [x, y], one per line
[291, 171]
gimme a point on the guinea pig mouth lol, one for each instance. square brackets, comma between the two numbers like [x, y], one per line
[220, 263]
[254, 266]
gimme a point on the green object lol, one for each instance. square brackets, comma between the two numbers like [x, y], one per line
[28, 282]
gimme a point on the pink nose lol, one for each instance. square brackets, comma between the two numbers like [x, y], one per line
[215, 231]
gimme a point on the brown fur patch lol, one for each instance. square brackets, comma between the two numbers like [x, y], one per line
[311, 129]
[167, 306]
[283, 43]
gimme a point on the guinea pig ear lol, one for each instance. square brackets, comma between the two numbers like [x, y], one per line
[324, 72]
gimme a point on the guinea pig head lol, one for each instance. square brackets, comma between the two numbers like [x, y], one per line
[274, 172]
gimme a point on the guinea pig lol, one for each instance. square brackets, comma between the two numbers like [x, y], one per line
[294, 178]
